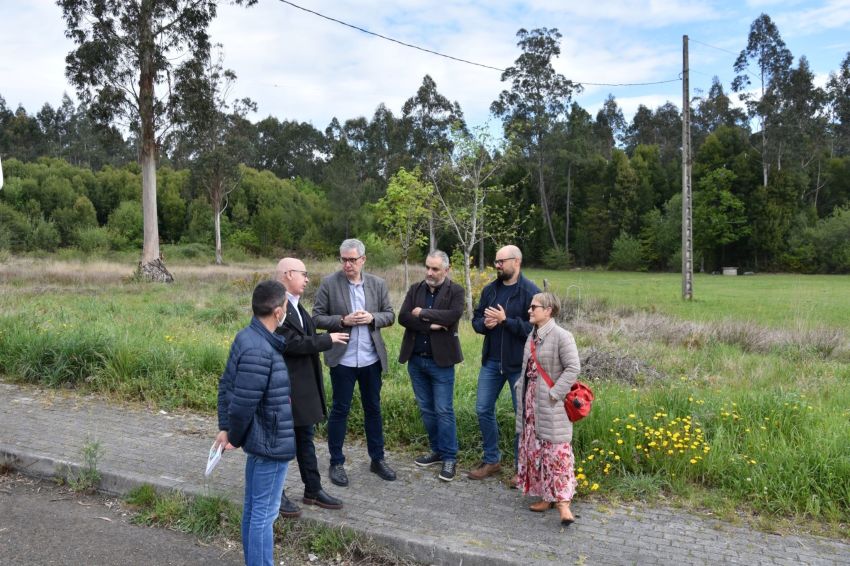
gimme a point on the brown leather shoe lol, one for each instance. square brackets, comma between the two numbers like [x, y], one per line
[484, 471]
[541, 506]
[567, 517]
[514, 482]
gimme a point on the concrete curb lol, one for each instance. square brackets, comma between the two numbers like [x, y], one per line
[464, 522]
[121, 483]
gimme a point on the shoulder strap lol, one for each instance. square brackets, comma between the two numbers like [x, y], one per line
[540, 369]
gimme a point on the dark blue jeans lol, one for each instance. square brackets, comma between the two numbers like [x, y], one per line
[490, 384]
[433, 388]
[343, 379]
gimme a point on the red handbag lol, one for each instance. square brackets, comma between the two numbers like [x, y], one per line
[578, 401]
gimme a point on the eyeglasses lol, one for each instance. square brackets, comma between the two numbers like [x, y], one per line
[351, 260]
[499, 262]
[304, 273]
[535, 307]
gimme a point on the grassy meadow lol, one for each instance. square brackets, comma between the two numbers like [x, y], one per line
[736, 402]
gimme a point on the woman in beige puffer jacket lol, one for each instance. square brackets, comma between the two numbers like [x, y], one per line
[546, 465]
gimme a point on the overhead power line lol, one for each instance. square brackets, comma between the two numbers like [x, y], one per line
[453, 58]
[352, 26]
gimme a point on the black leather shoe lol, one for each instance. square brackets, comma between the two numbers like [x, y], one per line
[289, 509]
[322, 499]
[338, 476]
[383, 471]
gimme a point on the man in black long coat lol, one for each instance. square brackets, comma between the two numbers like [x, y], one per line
[308, 391]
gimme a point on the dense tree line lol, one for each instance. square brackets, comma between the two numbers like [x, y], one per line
[771, 178]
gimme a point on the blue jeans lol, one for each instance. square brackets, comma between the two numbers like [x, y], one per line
[263, 487]
[343, 379]
[490, 384]
[433, 388]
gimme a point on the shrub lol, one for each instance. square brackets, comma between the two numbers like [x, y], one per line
[192, 250]
[44, 236]
[93, 239]
[380, 252]
[554, 258]
[831, 238]
[126, 225]
[479, 279]
[14, 229]
[626, 254]
[246, 240]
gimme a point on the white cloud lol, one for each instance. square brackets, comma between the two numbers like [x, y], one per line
[833, 14]
[297, 65]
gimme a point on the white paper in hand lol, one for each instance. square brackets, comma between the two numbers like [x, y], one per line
[214, 458]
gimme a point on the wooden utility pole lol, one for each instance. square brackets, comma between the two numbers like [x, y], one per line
[687, 163]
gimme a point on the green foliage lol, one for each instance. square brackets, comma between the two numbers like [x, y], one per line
[170, 204]
[200, 227]
[87, 478]
[93, 239]
[125, 225]
[719, 217]
[627, 254]
[555, 258]
[44, 236]
[143, 496]
[70, 220]
[830, 242]
[191, 251]
[380, 252]
[14, 229]
[403, 212]
[208, 516]
[331, 541]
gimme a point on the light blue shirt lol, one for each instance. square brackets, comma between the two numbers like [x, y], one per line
[360, 351]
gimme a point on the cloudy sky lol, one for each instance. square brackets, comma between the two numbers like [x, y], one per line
[296, 65]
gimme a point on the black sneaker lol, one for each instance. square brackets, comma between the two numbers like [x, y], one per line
[428, 460]
[447, 473]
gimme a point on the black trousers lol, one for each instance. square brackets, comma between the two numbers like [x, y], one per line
[305, 453]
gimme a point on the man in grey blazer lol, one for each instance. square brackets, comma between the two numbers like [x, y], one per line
[357, 303]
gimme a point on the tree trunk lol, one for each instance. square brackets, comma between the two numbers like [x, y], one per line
[218, 258]
[467, 279]
[406, 276]
[481, 241]
[151, 266]
[567, 213]
[432, 232]
[544, 202]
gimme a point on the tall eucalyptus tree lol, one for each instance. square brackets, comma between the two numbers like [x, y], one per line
[125, 54]
[538, 98]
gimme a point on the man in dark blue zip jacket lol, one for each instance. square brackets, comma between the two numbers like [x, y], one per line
[502, 317]
[255, 413]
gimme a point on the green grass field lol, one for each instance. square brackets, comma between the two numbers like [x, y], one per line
[772, 300]
[735, 412]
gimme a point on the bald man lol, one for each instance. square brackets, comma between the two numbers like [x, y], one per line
[502, 317]
[308, 390]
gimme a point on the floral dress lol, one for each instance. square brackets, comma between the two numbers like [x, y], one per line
[545, 469]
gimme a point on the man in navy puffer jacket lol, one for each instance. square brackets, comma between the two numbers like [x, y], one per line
[254, 413]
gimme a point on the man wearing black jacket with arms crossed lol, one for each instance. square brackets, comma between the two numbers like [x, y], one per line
[431, 348]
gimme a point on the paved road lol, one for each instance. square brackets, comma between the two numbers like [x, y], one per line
[42, 524]
[476, 523]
